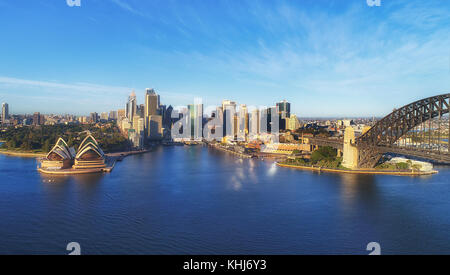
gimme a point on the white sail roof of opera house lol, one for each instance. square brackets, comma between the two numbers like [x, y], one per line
[62, 149]
[89, 144]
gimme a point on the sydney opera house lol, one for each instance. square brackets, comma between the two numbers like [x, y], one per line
[89, 157]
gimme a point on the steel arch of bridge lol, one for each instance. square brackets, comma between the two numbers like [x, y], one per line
[392, 127]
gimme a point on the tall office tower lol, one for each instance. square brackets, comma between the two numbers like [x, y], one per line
[264, 121]
[154, 129]
[141, 111]
[131, 106]
[269, 122]
[218, 113]
[113, 115]
[162, 111]
[126, 124]
[167, 118]
[151, 105]
[141, 126]
[135, 123]
[284, 109]
[255, 123]
[94, 117]
[37, 119]
[229, 111]
[121, 114]
[196, 121]
[284, 112]
[104, 116]
[5, 112]
[242, 128]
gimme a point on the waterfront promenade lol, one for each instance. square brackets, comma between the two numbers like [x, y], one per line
[359, 171]
[22, 154]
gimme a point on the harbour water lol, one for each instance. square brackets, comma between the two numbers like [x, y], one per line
[196, 200]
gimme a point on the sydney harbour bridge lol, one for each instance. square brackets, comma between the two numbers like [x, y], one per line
[420, 129]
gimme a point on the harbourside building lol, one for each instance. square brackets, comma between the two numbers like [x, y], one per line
[89, 156]
[60, 157]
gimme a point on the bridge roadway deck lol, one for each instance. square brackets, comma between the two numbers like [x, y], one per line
[434, 155]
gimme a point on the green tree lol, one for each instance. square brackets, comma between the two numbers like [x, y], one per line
[323, 153]
[46, 147]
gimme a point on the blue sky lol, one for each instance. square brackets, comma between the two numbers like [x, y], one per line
[328, 58]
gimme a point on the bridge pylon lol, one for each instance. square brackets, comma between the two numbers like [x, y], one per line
[351, 151]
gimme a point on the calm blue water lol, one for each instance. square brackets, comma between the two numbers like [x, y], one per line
[194, 200]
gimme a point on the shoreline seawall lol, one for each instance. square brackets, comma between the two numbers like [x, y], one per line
[22, 154]
[363, 172]
[112, 159]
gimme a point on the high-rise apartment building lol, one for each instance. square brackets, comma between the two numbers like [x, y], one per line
[5, 112]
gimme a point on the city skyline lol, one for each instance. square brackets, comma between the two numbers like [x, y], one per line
[256, 53]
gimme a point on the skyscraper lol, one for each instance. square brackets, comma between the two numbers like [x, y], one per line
[37, 119]
[284, 109]
[294, 123]
[104, 116]
[131, 106]
[141, 111]
[113, 115]
[243, 121]
[154, 128]
[5, 112]
[255, 123]
[229, 112]
[121, 114]
[94, 117]
[167, 118]
[151, 105]
[196, 121]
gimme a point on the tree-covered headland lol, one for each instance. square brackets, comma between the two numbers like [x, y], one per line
[43, 138]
